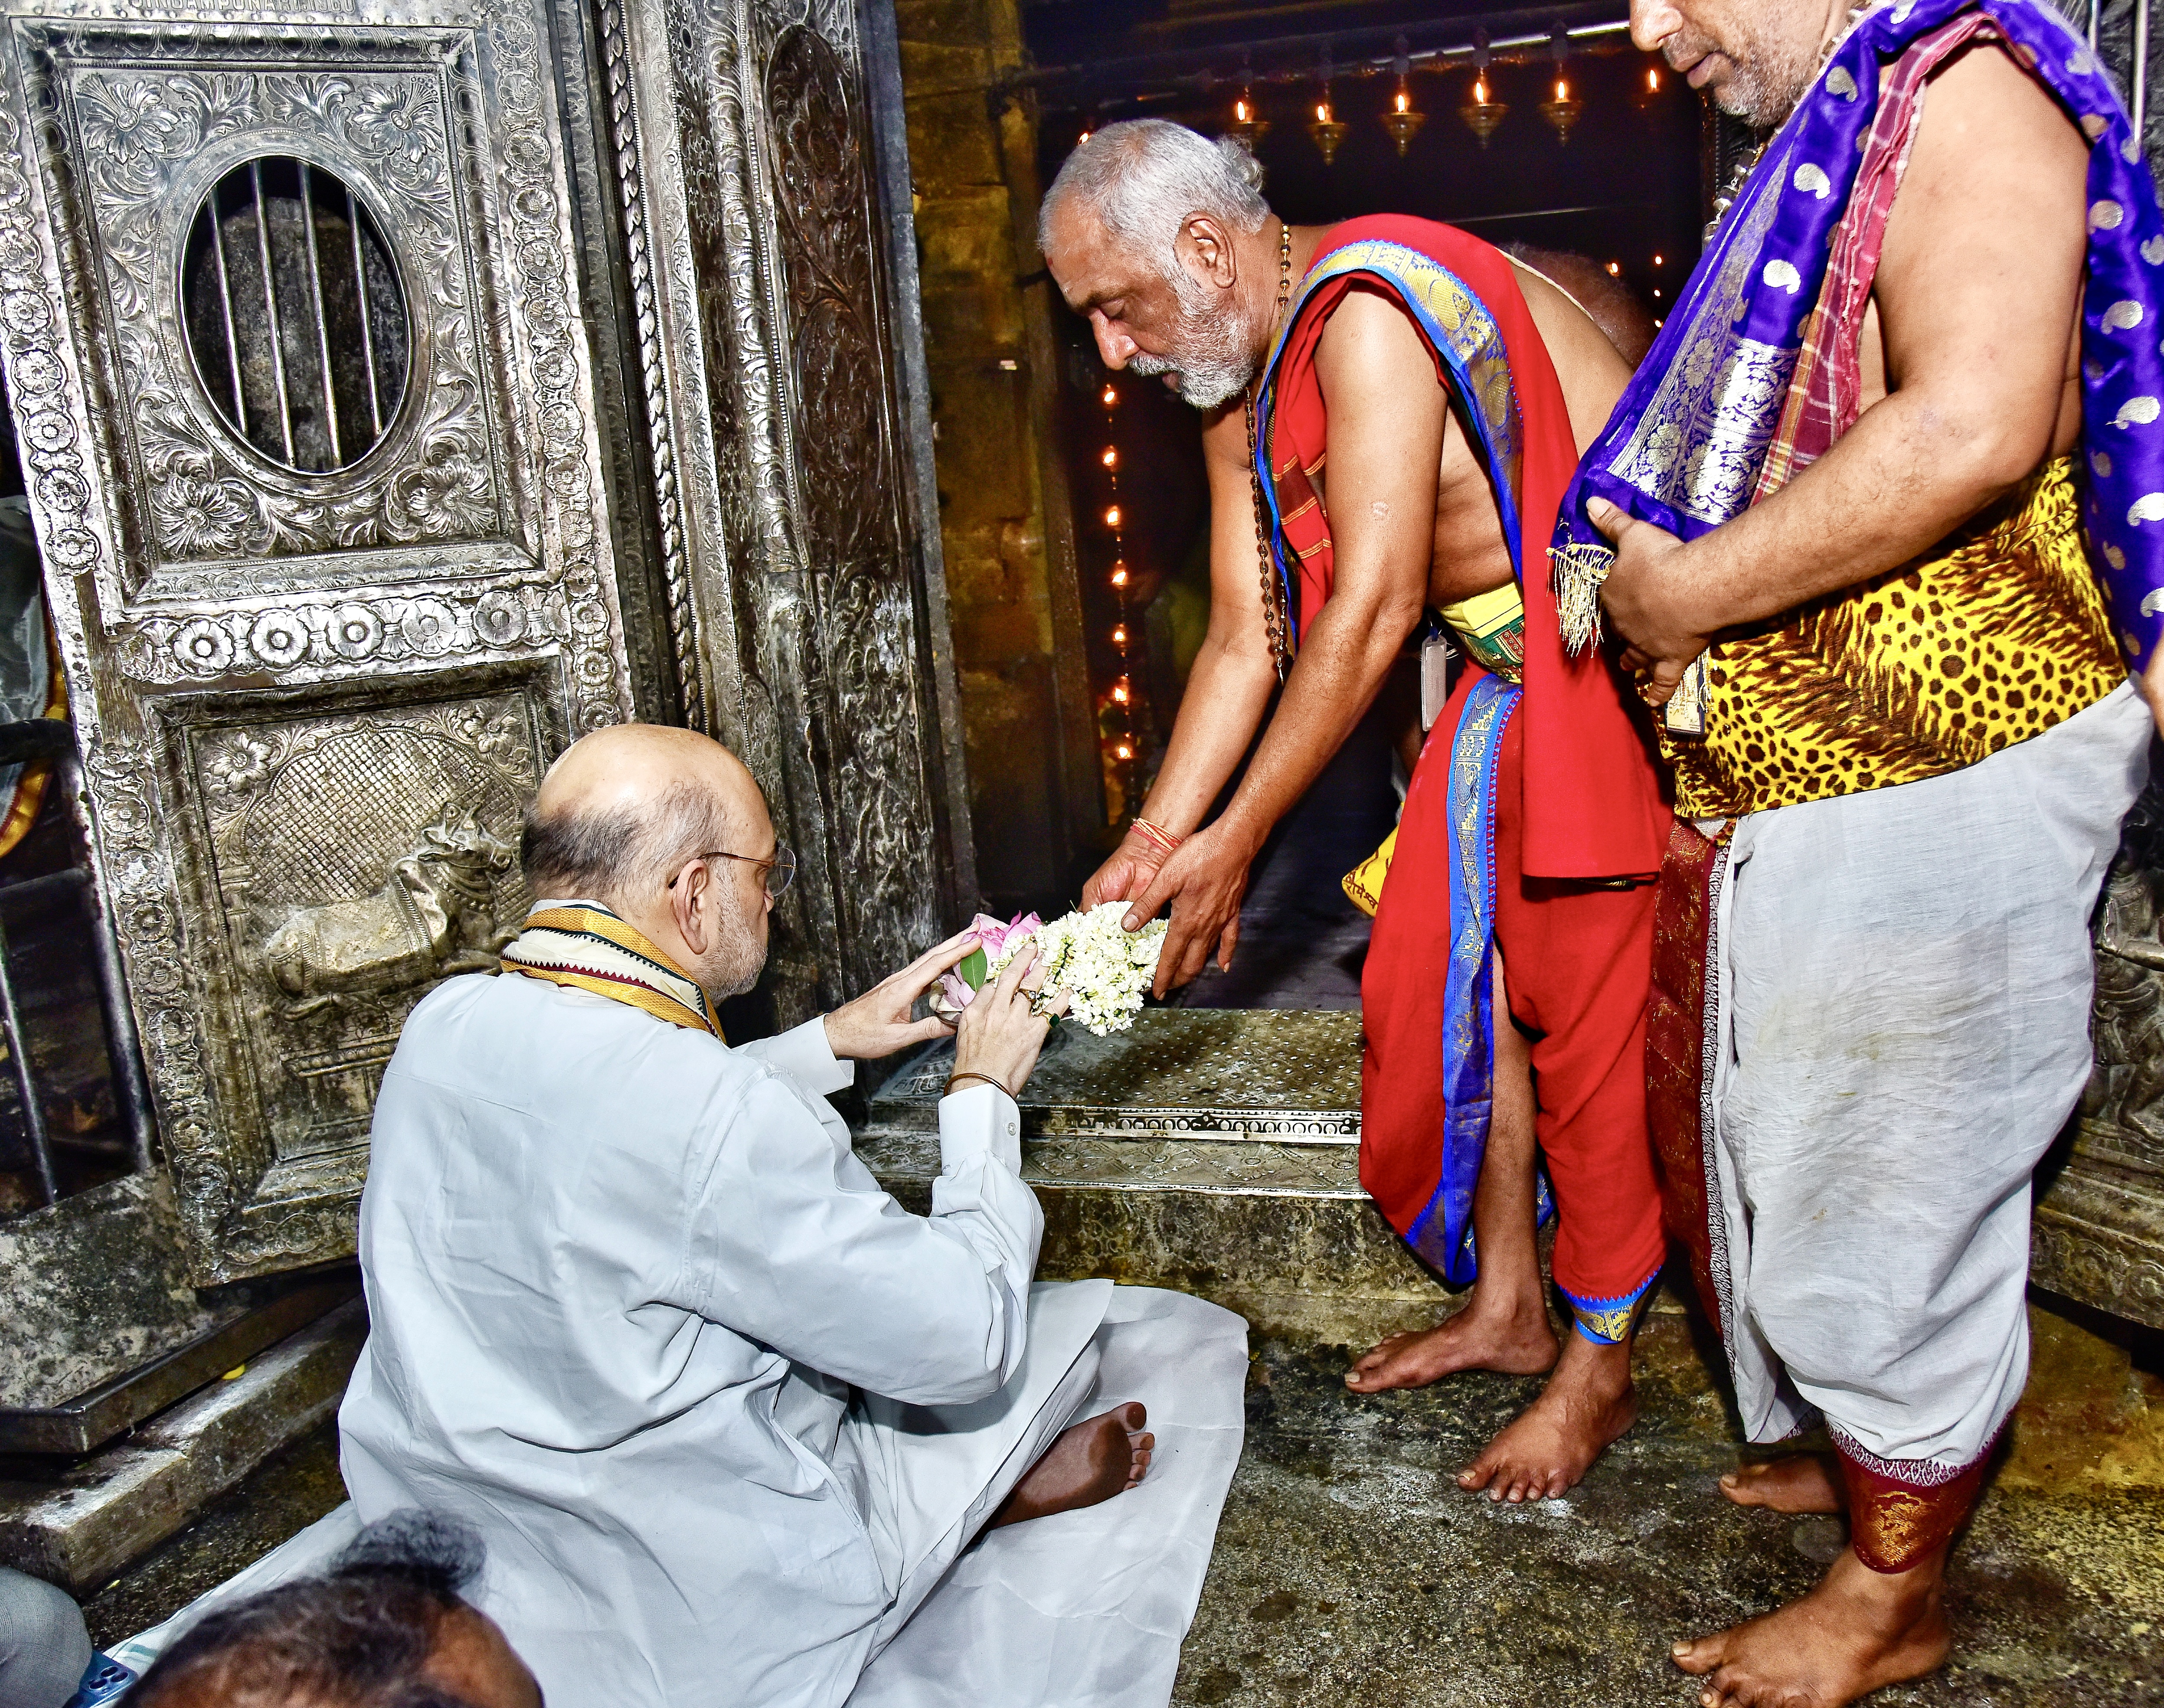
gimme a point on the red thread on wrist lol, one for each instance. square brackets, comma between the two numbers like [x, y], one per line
[1162, 840]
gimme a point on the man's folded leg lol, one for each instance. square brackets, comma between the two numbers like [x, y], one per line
[1087, 1608]
[933, 1476]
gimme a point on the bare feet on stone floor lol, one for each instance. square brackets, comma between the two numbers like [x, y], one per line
[1795, 1482]
[1515, 1339]
[1551, 1445]
[1858, 1632]
[1091, 1461]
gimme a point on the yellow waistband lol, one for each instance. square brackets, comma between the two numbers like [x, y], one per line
[1486, 614]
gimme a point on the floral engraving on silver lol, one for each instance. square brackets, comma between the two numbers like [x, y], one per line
[200, 208]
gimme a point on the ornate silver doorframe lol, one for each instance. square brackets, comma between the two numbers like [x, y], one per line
[311, 692]
[622, 297]
[764, 194]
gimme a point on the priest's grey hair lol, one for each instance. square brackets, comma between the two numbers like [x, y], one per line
[617, 853]
[1143, 178]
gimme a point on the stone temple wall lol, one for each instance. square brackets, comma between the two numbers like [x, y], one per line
[987, 338]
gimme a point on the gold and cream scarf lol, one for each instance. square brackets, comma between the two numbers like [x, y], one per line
[589, 949]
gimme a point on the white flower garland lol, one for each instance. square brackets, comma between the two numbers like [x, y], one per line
[1105, 971]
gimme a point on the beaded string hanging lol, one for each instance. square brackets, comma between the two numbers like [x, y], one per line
[1275, 622]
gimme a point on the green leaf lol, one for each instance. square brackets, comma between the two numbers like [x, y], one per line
[974, 968]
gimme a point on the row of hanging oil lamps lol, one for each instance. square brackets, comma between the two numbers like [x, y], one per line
[1482, 113]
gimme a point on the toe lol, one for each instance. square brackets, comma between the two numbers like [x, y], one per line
[1134, 1416]
[1696, 1657]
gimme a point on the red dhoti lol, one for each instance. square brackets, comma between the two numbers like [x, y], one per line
[1577, 961]
[1531, 813]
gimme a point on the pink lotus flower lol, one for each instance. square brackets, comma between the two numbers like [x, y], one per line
[993, 938]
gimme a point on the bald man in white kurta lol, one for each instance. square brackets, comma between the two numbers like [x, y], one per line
[639, 1314]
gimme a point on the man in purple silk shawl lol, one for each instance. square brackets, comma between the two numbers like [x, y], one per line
[1880, 525]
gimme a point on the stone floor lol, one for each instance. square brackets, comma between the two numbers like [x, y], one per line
[1349, 1569]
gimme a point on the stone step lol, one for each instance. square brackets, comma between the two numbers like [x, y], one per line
[1213, 1150]
[77, 1523]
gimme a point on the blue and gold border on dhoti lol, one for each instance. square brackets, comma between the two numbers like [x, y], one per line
[1442, 1233]
[1609, 1321]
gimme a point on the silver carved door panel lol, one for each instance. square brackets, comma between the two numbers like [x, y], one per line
[294, 340]
[759, 163]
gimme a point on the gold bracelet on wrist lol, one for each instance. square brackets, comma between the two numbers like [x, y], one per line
[986, 1078]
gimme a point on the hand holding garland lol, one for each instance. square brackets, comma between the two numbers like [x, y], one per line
[1002, 1032]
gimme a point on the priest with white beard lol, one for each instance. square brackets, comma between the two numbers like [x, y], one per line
[737, 1429]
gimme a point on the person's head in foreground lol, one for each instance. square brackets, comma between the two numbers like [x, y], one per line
[385, 1627]
[1161, 239]
[667, 829]
[1755, 57]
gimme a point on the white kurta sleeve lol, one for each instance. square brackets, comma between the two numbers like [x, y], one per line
[804, 1055]
[793, 1244]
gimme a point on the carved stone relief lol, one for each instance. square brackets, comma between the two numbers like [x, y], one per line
[864, 663]
[653, 380]
[486, 477]
[334, 638]
[358, 858]
[151, 138]
[2124, 1104]
[2099, 1229]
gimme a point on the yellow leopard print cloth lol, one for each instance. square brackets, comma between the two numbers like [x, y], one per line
[1996, 636]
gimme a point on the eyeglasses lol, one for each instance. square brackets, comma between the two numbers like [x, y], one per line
[777, 869]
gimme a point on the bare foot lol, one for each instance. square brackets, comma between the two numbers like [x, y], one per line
[1795, 1482]
[1858, 1631]
[1514, 1340]
[1092, 1461]
[1551, 1444]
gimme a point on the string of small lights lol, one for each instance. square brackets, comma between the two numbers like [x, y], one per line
[1482, 110]
[1660, 295]
[1118, 712]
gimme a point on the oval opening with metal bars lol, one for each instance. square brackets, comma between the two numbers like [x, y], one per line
[296, 319]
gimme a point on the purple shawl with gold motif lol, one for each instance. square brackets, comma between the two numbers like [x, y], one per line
[1689, 444]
